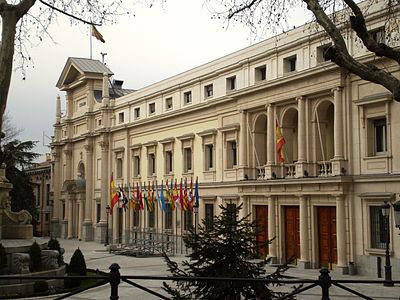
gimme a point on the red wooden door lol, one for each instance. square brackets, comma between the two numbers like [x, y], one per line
[327, 242]
[292, 233]
[262, 230]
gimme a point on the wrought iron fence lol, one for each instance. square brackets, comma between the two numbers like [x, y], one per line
[114, 278]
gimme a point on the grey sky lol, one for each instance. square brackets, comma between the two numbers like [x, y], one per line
[141, 50]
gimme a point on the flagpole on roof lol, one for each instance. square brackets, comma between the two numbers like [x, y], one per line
[90, 40]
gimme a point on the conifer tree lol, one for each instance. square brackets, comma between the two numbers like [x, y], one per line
[225, 250]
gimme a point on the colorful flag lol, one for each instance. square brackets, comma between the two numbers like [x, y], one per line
[139, 196]
[280, 141]
[181, 196]
[145, 197]
[97, 34]
[190, 197]
[161, 198]
[113, 193]
[122, 198]
[169, 195]
[196, 193]
[185, 198]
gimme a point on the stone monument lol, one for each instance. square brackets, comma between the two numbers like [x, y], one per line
[13, 225]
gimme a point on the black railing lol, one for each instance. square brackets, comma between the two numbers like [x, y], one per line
[114, 278]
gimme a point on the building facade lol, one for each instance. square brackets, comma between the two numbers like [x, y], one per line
[219, 122]
[40, 178]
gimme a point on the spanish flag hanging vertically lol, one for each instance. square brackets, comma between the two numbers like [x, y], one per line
[113, 194]
[280, 141]
[97, 34]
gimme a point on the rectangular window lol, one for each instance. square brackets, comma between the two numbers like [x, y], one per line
[209, 216]
[168, 162]
[208, 91]
[168, 103]
[136, 113]
[187, 163]
[119, 167]
[380, 136]
[378, 34]
[63, 211]
[151, 164]
[121, 117]
[152, 218]
[290, 64]
[187, 97]
[322, 52]
[136, 218]
[136, 166]
[99, 122]
[378, 228]
[231, 83]
[260, 73]
[188, 220]
[152, 108]
[98, 164]
[232, 154]
[168, 216]
[209, 157]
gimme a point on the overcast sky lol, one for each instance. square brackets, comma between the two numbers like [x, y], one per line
[155, 44]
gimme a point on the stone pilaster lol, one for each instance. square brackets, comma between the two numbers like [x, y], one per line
[338, 163]
[273, 246]
[243, 165]
[87, 225]
[55, 226]
[341, 237]
[105, 193]
[304, 262]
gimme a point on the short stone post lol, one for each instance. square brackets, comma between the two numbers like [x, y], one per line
[325, 283]
[114, 280]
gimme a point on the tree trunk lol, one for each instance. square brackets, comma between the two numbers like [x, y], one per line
[9, 23]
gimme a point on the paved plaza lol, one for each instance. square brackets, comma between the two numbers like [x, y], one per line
[97, 257]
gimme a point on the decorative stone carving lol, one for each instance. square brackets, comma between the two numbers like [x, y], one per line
[50, 259]
[20, 263]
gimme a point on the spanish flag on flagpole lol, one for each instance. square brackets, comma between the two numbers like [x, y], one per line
[280, 141]
[97, 34]
[113, 193]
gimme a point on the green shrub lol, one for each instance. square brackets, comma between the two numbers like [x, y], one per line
[35, 255]
[76, 267]
[40, 286]
[3, 257]
[53, 244]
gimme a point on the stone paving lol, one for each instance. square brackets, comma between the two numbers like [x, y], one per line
[97, 257]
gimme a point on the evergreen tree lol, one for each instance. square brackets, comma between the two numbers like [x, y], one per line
[77, 265]
[35, 255]
[225, 250]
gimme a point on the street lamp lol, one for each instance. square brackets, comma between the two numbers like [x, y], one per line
[108, 209]
[388, 268]
[196, 211]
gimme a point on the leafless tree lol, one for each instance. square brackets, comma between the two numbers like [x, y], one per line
[332, 16]
[26, 22]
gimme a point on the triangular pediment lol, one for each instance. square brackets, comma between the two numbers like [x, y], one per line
[76, 69]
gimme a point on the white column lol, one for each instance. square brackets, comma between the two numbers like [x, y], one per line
[270, 135]
[243, 140]
[302, 129]
[341, 234]
[70, 217]
[89, 183]
[272, 248]
[105, 181]
[338, 122]
[304, 236]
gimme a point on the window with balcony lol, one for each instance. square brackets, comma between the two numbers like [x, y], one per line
[260, 73]
[208, 91]
[187, 97]
[119, 166]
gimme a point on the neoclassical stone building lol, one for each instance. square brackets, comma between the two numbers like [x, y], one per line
[218, 122]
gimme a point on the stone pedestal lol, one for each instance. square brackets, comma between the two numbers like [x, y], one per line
[87, 231]
[339, 167]
[100, 233]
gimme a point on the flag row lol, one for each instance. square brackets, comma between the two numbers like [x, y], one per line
[146, 197]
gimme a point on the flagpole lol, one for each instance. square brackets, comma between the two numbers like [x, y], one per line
[90, 39]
